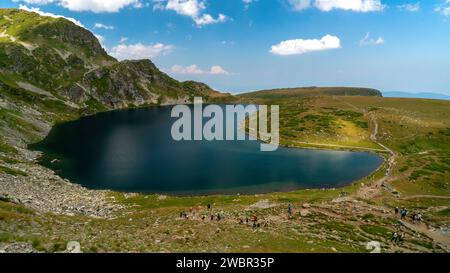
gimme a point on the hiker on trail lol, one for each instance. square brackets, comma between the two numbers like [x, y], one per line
[290, 209]
[254, 218]
[403, 213]
[183, 215]
[394, 237]
[419, 217]
[209, 206]
[396, 210]
[218, 217]
[414, 217]
[212, 217]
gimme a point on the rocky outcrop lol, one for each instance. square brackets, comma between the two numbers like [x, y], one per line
[45, 191]
[17, 247]
[130, 82]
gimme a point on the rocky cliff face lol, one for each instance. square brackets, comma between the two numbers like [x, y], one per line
[55, 58]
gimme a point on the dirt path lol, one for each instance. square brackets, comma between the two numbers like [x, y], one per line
[425, 196]
[339, 146]
[374, 189]
[442, 239]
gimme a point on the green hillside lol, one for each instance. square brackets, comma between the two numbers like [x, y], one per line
[311, 91]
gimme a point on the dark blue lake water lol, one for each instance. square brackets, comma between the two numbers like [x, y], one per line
[133, 151]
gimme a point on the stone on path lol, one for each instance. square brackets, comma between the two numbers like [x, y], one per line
[73, 247]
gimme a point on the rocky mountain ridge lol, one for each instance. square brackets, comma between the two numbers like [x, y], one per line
[56, 58]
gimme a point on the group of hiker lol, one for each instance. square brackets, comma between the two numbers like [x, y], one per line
[193, 211]
[253, 222]
[416, 217]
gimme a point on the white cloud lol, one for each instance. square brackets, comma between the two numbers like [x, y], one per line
[190, 8]
[328, 5]
[89, 5]
[207, 19]
[353, 5]
[367, 40]
[48, 14]
[100, 25]
[192, 69]
[36, 2]
[195, 70]
[218, 70]
[139, 51]
[100, 38]
[301, 46]
[411, 7]
[444, 8]
[123, 39]
[99, 5]
[247, 3]
[300, 4]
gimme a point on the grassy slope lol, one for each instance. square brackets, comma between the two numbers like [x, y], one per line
[152, 223]
[416, 129]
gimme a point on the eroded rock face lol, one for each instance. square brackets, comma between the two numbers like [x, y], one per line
[75, 93]
[123, 83]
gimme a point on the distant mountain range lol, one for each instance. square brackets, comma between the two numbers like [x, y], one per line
[422, 95]
[311, 91]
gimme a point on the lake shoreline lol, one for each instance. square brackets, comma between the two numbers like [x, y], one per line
[45, 183]
[136, 141]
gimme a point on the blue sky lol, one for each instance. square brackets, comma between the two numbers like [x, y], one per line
[243, 45]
